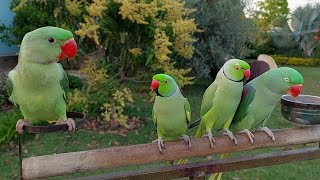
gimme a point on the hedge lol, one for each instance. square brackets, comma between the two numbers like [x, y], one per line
[295, 61]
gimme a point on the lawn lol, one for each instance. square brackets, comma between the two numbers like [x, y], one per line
[86, 140]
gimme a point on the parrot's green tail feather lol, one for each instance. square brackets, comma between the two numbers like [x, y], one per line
[181, 161]
[199, 131]
[219, 175]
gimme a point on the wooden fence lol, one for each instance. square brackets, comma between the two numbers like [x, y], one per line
[107, 158]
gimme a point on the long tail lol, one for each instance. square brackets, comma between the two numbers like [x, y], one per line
[198, 135]
[199, 132]
[194, 124]
[219, 175]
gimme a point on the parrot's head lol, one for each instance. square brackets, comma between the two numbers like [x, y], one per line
[284, 80]
[236, 70]
[47, 45]
[163, 85]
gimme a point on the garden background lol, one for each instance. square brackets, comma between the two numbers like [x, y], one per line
[123, 43]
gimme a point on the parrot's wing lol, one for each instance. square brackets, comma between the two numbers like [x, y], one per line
[64, 82]
[208, 98]
[154, 118]
[248, 94]
[187, 110]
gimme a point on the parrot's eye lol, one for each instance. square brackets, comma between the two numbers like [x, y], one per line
[166, 81]
[51, 40]
[238, 68]
[286, 79]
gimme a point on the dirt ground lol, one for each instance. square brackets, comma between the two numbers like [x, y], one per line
[7, 64]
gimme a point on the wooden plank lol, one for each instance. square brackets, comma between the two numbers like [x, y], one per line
[200, 169]
[73, 162]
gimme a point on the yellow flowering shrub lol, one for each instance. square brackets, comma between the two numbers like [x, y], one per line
[78, 102]
[133, 39]
[94, 75]
[97, 8]
[114, 109]
[73, 6]
[138, 11]
[135, 52]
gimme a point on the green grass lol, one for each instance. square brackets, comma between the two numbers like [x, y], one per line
[86, 140]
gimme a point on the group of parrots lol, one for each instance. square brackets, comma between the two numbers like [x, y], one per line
[39, 86]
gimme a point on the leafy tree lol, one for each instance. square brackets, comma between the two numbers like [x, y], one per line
[226, 33]
[119, 41]
[303, 30]
[270, 14]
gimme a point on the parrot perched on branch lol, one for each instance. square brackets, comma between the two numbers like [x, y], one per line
[171, 111]
[259, 97]
[221, 99]
[38, 85]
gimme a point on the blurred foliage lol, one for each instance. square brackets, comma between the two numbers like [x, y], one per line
[270, 13]
[136, 37]
[129, 39]
[8, 122]
[295, 61]
[226, 33]
[74, 82]
[303, 30]
[3, 92]
[101, 94]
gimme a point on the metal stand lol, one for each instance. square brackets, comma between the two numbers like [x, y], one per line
[20, 155]
[79, 120]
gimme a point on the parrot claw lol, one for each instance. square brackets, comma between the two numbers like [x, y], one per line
[20, 124]
[268, 131]
[160, 144]
[186, 138]
[231, 136]
[70, 122]
[211, 139]
[249, 134]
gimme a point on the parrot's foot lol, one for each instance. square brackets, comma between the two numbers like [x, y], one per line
[160, 144]
[231, 136]
[20, 124]
[211, 139]
[186, 138]
[249, 134]
[70, 122]
[268, 131]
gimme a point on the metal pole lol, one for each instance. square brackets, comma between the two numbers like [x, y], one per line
[20, 155]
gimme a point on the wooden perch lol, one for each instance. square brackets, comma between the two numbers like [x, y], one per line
[73, 162]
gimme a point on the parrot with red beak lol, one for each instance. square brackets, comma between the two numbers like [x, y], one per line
[259, 97]
[171, 111]
[38, 84]
[221, 99]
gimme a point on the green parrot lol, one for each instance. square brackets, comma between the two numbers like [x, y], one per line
[38, 85]
[171, 111]
[259, 97]
[221, 99]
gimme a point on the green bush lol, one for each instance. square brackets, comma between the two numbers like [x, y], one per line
[8, 122]
[75, 82]
[295, 61]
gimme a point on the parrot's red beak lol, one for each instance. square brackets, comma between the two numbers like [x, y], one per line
[154, 85]
[247, 74]
[68, 49]
[295, 90]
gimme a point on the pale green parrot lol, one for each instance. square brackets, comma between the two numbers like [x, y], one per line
[259, 98]
[221, 99]
[171, 111]
[38, 85]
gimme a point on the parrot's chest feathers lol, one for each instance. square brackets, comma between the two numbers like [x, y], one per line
[39, 76]
[171, 118]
